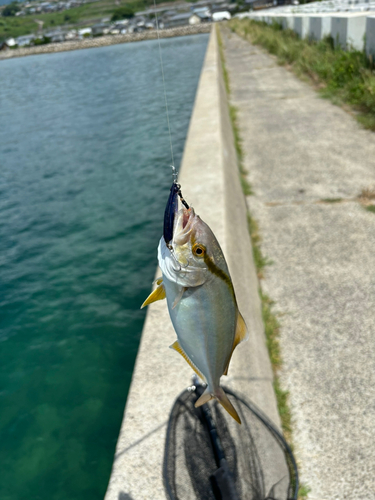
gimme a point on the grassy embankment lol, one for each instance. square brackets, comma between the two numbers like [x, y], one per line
[345, 77]
[84, 15]
[270, 320]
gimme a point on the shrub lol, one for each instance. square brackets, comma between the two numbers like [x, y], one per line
[10, 10]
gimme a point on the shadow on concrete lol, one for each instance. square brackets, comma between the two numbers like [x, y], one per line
[124, 496]
[140, 440]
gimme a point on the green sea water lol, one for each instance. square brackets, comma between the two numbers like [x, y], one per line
[84, 178]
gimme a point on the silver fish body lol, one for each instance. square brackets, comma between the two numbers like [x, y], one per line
[201, 302]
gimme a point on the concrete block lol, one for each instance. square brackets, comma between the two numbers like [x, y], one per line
[288, 23]
[370, 37]
[348, 30]
[320, 26]
[301, 25]
[278, 19]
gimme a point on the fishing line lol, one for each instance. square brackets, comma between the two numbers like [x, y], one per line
[174, 173]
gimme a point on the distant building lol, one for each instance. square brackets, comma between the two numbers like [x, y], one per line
[23, 41]
[187, 18]
[84, 32]
[222, 15]
[264, 4]
[100, 29]
[55, 36]
[10, 42]
[71, 35]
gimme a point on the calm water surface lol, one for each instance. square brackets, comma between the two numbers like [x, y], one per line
[84, 177]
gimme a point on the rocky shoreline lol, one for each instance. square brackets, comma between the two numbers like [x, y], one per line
[103, 41]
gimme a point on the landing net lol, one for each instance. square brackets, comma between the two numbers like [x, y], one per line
[208, 456]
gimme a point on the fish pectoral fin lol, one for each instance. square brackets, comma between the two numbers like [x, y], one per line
[179, 296]
[176, 346]
[157, 294]
[240, 336]
[205, 398]
[158, 281]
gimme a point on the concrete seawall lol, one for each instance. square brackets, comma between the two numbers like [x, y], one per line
[210, 181]
[103, 41]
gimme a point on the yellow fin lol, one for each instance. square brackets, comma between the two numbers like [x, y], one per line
[159, 281]
[224, 401]
[176, 346]
[205, 397]
[157, 294]
[240, 335]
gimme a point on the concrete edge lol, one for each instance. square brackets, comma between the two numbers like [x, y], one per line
[210, 181]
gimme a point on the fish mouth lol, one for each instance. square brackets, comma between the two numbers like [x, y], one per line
[183, 226]
[186, 217]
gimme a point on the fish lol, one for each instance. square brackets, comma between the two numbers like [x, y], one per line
[200, 297]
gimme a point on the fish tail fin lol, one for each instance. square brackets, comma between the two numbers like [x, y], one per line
[223, 400]
[205, 398]
[226, 404]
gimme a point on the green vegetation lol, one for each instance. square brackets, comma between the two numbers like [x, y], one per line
[233, 116]
[346, 77]
[270, 319]
[80, 16]
[331, 200]
[260, 261]
[84, 15]
[371, 208]
[126, 11]
[10, 10]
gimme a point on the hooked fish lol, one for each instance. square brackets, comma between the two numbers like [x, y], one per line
[200, 297]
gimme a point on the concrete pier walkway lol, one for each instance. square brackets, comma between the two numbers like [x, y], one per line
[210, 182]
[303, 154]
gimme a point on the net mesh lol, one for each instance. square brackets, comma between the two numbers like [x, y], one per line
[260, 463]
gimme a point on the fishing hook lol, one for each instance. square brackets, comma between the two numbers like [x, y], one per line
[178, 188]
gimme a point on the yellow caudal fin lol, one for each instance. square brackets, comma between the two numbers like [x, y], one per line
[157, 294]
[223, 400]
[176, 346]
[227, 405]
[206, 396]
[240, 335]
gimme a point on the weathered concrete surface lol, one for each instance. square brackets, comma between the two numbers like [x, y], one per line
[348, 30]
[104, 41]
[299, 150]
[370, 36]
[209, 176]
[320, 26]
[301, 25]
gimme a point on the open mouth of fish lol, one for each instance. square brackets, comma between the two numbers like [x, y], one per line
[183, 226]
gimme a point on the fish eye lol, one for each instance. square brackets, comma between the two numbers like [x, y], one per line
[199, 250]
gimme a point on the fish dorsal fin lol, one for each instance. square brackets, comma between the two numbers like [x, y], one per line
[157, 294]
[240, 335]
[176, 346]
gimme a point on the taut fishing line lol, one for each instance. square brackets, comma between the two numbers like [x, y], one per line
[174, 173]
